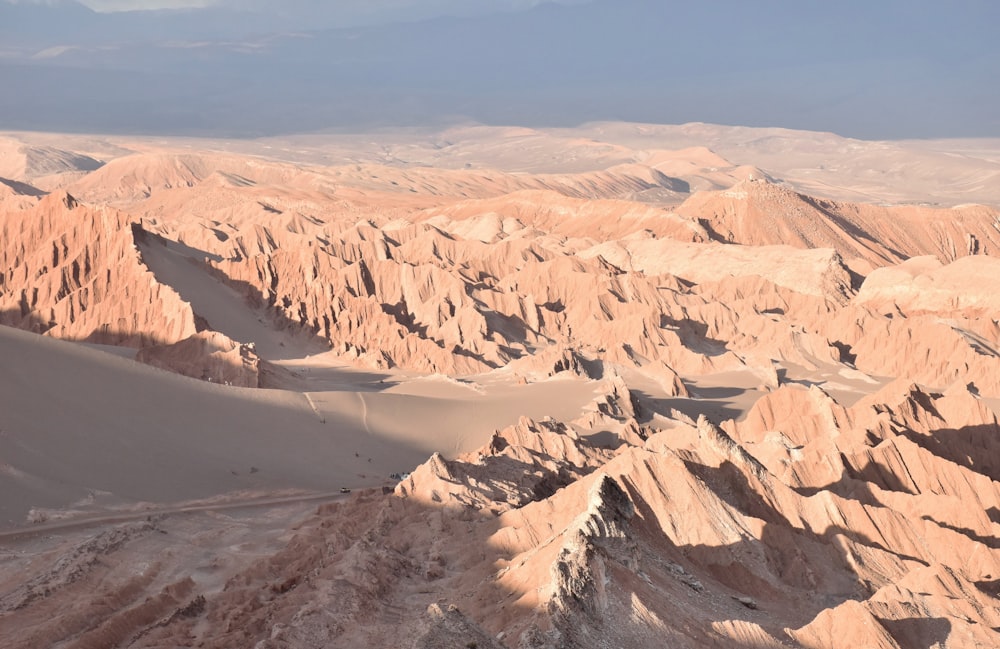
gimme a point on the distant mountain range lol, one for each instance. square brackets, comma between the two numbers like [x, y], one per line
[225, 71]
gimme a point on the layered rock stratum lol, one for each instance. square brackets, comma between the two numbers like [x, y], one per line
[668, 398]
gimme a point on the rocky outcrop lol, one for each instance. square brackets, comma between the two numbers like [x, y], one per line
[579, 575]
[525, 462]
[72, 271]
[473, 274]
[448, 627]
[419, 298]
[207, 355]
[696, 542]
[758, 212]
[967, 286]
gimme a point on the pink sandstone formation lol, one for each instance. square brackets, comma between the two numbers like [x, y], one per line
[73, 271]
[761, 418]
[541, 539]
[207, 355]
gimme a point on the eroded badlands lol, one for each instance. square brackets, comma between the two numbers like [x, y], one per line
[677, 386]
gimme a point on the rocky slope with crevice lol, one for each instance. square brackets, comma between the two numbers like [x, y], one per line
[699, 536]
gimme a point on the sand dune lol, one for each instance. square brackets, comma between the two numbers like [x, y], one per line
[691, 385]
[87, 431]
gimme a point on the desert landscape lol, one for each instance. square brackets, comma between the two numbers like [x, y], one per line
[614, 385]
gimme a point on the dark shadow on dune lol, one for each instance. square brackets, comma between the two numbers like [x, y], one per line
[918, 632]
[994, 514]
[849, 486]
[773, 568]
[989, 586]
[23, 188]
[976, 448]
[270, 375]
[329, 379]
[846, 354]
[142, 236]
[593, 368]
[730, 484]
[710, 393]
[878, 474]
[604, 439]
[252, 296]
[26, 319]
[712, 403]
[856, 233]
[783, 379]
[510, 327]
[693, 335]
[991, 542]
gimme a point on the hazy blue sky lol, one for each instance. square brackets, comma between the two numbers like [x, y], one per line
[433, 6]
[875, 69]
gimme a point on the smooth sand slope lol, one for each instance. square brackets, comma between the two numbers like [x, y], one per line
[85, 430]
[79, 423]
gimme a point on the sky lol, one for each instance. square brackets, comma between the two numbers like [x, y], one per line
[876, 70]
[143, 5]
[444, 6]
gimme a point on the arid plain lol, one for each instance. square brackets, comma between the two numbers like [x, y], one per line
[620, 385]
